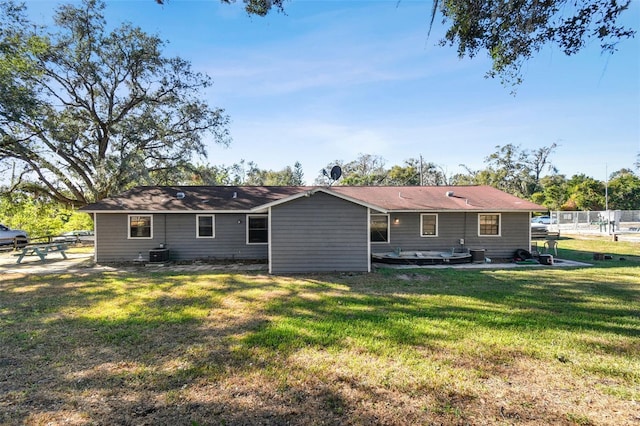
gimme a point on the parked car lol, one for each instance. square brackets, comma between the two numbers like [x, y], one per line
[538, 226]
[545, 220]
[13, 236]
[74, 237]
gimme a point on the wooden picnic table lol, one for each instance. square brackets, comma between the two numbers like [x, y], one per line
[41, 251]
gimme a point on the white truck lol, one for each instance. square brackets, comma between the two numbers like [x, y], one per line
[13, 237]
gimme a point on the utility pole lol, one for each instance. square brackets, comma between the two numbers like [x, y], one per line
[421, 178]
[606, 187]
[606, 196]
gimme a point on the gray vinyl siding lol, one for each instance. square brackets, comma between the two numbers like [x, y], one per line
[178, 233]
[454, 226]
[320, 233]
[310, 234]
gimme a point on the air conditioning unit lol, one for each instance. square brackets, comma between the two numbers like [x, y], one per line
[159, 255]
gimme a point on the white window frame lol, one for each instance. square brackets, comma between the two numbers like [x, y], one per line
[422, 215]
[132, 237]
[213, 226]
[247, 220]
[388, 229]
[499, 234]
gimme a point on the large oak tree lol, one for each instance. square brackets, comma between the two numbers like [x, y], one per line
[86, 112]
[512, 31]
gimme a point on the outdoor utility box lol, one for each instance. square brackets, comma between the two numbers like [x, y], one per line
[477, 256]
[546, 259]
[159, 255]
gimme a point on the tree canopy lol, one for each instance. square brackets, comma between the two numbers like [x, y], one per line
[241, 173]
[510, 168]
[369, 170]
[510, 32]
[86, 112]
[38, 216]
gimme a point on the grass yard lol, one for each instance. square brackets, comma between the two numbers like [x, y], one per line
[525, 346]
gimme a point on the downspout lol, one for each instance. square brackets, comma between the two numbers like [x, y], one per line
[464, 233]
[269, 240]
[95, 237]
[368, 239]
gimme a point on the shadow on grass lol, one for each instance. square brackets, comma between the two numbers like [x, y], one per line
[142, 350]
[620, 253]
[217, 348]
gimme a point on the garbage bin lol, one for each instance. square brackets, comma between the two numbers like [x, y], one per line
[477, 255]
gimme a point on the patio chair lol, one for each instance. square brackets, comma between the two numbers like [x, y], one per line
[551, 245]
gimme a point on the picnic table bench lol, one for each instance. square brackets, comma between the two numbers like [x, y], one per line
[41, 251]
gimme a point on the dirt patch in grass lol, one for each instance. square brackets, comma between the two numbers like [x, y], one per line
[413, 277]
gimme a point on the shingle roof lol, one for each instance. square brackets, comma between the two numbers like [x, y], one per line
[248, 198]
[194, 198]
[407, 198]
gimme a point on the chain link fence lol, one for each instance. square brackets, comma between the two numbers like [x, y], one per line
[596, 222]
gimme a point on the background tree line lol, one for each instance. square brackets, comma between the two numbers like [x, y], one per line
[509, 168]
[529, 174]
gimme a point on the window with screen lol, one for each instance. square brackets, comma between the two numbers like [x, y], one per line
[429, 225]
[140, 226]
[258, 229]
[489, 225]
[205, 226]
[379, 228]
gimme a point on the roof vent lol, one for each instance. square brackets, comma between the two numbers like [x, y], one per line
[235, 195]
[449, 193]
[180, 195]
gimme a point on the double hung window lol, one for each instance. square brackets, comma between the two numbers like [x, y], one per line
[205, 226]
[489, 225]
[258, 229]
[140, 226]
[379, 228]
[429, 225]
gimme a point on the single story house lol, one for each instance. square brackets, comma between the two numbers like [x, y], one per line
[307, 228]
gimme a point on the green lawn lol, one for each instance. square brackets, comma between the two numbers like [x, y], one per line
[429, 346]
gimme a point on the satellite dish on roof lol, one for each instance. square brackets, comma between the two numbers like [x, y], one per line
[336, 172]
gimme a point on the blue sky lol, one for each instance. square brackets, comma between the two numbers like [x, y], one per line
[332, 79]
